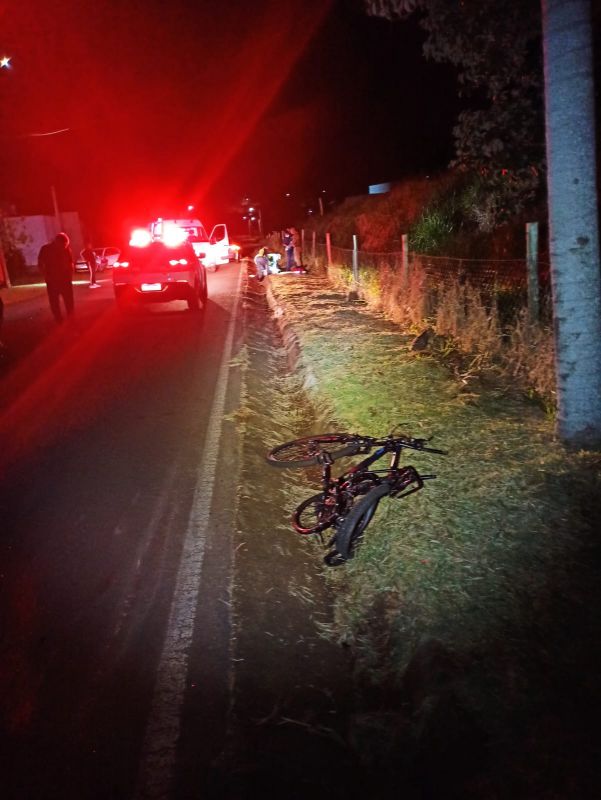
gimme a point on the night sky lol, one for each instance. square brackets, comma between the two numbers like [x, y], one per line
[168, 102]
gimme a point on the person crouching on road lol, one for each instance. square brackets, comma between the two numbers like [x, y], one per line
[262, 263]
[55, 262]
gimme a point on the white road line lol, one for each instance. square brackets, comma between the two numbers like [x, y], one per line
[159, 749]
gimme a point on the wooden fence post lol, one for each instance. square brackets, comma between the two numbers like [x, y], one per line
[404, 259]
[329, 249]
[313, 247]
[532, 267]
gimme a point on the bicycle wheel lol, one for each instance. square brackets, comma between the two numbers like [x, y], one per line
[306, 452]
[313, 515]
[352, 528]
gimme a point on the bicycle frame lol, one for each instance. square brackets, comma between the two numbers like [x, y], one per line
[336, 487]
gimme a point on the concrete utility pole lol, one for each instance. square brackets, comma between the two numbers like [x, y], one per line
[57, 213]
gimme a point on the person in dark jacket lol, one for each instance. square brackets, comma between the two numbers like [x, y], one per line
[2, 346]
[297, 256]
[288, 249]
[55, 261]
[89, 257]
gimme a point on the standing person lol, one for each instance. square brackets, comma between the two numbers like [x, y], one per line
[89, 257]
[262, 263]
[55, 261]
[296, 248]
[288, 249]
[2, 346]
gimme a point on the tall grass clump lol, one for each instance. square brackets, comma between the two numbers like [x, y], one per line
[471, 321]
[530, 358]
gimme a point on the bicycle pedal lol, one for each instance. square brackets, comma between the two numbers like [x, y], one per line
[334, 559]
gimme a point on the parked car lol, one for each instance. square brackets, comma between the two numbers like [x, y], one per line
[154, 272]
[105, 257]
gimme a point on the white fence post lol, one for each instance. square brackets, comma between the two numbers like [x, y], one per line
[532, 266]
[404, 258]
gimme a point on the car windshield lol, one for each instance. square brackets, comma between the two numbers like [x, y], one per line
[156, 255]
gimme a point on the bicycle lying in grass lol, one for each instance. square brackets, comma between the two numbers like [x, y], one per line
[348, 503]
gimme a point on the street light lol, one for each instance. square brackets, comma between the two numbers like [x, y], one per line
[5, 62]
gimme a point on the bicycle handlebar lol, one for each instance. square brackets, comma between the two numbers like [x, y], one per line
[403, 441]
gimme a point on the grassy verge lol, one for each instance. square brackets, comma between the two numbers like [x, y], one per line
[497, 561]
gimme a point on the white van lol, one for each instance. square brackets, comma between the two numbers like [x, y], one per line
[212, 250]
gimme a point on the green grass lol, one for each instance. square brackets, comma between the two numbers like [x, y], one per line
[498, 558]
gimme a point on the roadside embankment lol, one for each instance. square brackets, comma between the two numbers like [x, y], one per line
[472, 608]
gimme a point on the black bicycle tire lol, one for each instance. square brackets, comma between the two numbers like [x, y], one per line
[353, 527]
[274, 456]
[303, 529]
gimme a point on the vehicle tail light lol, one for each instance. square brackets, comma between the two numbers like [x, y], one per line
[121, 264]
[175, 261]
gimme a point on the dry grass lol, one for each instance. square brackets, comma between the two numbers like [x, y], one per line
[520, 351]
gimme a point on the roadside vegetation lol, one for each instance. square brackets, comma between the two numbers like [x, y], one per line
[472, 609]
[465, 279]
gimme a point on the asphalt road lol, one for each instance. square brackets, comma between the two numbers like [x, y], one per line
[118, 466]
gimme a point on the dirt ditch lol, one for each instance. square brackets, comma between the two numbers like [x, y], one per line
[291, 684]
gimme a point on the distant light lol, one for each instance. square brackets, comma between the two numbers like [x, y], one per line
[5, 62]
[310, 211]
[190, 208]
[173, 235]
[252, 219]
[140, 237]
[323, 191]
[287, 194]
[252, 208]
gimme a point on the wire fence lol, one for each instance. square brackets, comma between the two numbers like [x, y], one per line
[503, 281]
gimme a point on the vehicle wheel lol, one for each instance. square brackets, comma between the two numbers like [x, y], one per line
[352, 528]
[204, 292]
[306, 452]
[194, 300]
[123, 300]
[313, 515]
